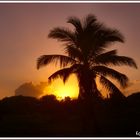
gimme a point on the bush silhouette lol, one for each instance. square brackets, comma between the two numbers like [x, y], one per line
[28, 116]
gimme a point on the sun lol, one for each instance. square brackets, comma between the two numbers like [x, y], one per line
[65, 91]
[61, 90]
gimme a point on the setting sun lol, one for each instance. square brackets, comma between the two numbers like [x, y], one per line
[65, 91]
[61, 90]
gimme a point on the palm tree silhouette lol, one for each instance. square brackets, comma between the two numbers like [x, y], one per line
[87, 56]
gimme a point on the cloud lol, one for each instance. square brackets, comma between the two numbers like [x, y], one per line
[29, 89]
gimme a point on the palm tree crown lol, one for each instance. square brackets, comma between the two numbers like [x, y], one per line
[87, 56]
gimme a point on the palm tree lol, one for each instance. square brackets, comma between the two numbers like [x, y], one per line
[87, 56]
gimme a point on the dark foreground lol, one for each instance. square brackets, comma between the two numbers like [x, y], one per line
[29, 117]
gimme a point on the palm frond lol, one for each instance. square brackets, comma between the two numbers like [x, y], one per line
[111, 87]
[112, 52]
[46, 59]
[89, 20]
[64, 73]
[73, 52]
[103, 37]
[111, 35]
[115, 60]
[76, 23]
[121, 78]
[102, 56]
[62, 34]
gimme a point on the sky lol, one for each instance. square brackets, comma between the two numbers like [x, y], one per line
[23, 38]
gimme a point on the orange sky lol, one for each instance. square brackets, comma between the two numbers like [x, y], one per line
[23, 38]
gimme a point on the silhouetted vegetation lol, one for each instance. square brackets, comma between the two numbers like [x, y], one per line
[28, 116]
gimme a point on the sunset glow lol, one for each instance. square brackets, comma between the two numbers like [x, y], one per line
[61, 90]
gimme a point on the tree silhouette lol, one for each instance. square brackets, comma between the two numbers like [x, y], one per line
[87, 56]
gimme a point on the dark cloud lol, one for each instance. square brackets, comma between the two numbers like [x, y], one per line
[29, 89]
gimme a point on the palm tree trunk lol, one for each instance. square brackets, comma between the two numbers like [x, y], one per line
[90, 124]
